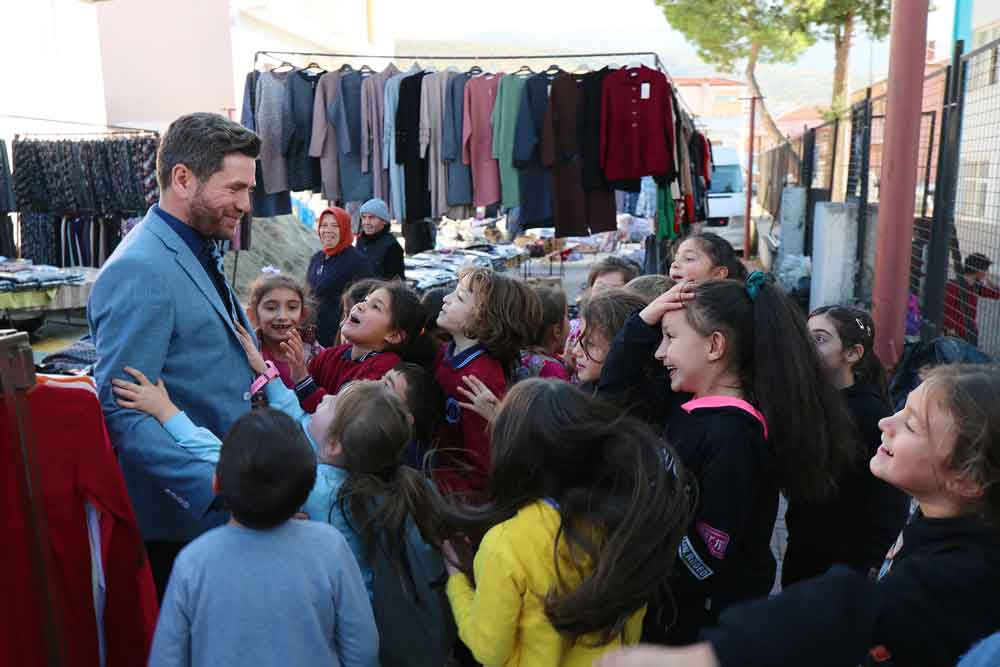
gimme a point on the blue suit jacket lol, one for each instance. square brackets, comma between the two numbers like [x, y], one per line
[154, 308]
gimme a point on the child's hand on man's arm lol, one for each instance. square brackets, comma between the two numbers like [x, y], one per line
[253, 354]
[145, 396]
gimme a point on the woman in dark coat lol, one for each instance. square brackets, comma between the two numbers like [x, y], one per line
[333, 269]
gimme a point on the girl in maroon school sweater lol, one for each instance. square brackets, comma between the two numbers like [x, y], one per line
[491, 317]
[380, 331]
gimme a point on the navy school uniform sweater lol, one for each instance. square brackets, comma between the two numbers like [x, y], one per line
[938, 595]
[858, 525]
[725, 556]
[328, 277]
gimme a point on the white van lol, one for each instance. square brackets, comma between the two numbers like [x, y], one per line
[727, 199]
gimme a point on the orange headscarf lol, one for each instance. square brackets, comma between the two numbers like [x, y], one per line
[343, 219]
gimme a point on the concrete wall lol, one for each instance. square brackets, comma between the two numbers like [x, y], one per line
[162, 60]
[834, 254]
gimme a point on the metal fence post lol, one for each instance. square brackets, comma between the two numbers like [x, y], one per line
[944, 199]
[863, 167]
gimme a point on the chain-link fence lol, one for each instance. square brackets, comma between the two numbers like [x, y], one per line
[968, 304]
[971, 296]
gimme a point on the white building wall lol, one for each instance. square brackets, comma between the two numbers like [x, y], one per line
[51, 65]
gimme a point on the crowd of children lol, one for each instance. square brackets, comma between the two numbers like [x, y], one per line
[508, 487]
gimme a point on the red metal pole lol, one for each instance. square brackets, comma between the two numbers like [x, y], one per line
[901, 146]
[749, 183]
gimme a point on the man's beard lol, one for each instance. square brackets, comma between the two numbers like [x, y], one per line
[205, 220]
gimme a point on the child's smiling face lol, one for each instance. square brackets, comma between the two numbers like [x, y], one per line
[278, 312]
[916, 444]
[683, 352]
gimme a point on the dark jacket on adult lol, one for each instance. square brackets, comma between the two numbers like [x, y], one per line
[937, 597]
[384, 252]
[328, 277]
[858, 526]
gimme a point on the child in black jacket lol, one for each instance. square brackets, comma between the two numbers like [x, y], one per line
[938, 591]
[859, 524]
[746, 416]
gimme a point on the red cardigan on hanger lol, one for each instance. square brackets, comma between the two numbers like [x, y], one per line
[637, 125]
[76, 465]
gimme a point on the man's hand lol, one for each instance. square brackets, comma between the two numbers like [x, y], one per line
[145, 396]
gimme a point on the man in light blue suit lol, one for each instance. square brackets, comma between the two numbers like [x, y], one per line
[162, 305]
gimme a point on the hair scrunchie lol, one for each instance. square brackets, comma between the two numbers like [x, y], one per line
[754, 282]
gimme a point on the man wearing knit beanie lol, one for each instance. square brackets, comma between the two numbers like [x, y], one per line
[377, 241]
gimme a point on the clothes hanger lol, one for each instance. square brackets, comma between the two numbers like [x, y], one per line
[523, 69]
[319, 70]
[284, 63]
[475, 70]
[552, 70]
[584, 68]
[365, 69]
[346, 67]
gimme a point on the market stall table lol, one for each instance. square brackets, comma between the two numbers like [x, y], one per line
[34, 303]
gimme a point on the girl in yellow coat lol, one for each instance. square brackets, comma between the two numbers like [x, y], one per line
[588, 510]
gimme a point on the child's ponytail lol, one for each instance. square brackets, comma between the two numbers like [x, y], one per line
[770, 348]
[805, 412]
[381, 494]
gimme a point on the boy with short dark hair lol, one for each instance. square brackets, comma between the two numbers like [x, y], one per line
[265, 589]
[962, 294]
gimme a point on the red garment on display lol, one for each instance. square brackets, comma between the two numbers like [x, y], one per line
[637, 125]
[75, 465]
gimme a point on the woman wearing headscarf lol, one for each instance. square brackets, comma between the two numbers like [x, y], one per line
[333, 269]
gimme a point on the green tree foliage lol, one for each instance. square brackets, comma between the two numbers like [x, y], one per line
[838, 22]
[734, 33]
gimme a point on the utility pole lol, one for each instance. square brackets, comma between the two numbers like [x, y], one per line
[901, 146]
[747, 220]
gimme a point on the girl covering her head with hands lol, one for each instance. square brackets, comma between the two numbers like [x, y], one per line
[748, 416]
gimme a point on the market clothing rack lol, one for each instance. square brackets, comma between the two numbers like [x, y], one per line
[687, 115]
[107, 128]
[543, 56]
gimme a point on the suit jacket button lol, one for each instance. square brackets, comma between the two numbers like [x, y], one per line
[246, 396]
